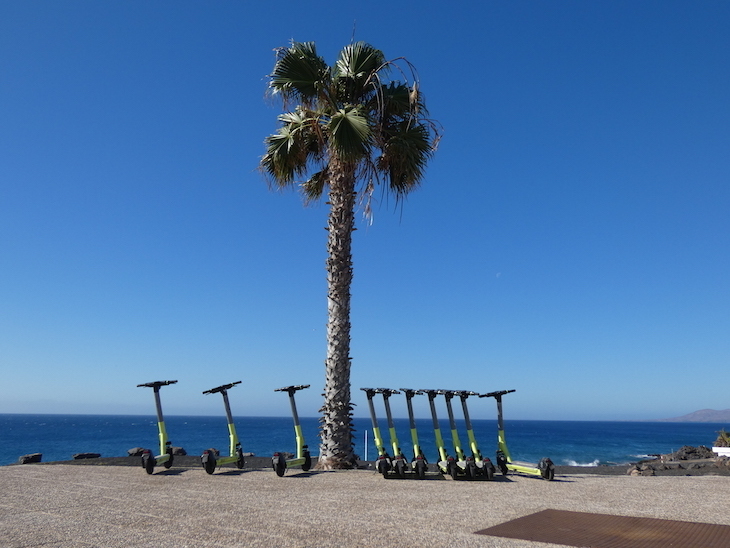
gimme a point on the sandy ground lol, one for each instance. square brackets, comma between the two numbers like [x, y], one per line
[64, 506]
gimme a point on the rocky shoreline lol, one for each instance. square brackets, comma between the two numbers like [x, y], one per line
[687, 461]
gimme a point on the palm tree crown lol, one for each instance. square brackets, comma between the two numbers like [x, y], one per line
[351, 130]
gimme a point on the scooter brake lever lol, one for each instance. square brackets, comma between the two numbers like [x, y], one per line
[222, 387]
[292, 388]
[496, 394]
[156, 383]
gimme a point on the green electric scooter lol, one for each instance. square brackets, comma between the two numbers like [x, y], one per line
[419, 462]
[165, 457]
[279, 462]
[208, 459]
[476, 465]
[545, 468]
[443, 462]
[384, 463]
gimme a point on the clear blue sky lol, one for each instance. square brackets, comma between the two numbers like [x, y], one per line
[570, 240]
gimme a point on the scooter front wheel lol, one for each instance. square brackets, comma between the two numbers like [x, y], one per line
[549, 474]
[241, 461]
[307, 462]
[400, 468]
[502, 463]
[547, 469]
[168, 462]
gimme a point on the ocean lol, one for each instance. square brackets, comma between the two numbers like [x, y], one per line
[574, 443]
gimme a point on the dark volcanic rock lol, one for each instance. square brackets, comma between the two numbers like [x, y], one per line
[28, 459]
[135, 451]
[179, 451]
[692, 453]
[79, 456]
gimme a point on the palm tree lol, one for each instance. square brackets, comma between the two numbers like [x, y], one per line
[351, 130]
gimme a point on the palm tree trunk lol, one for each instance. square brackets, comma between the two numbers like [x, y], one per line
[336, 450]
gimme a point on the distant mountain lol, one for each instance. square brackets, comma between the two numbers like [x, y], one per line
[704, 415]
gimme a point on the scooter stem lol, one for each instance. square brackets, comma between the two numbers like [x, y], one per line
[232, 436]
[501, 440]
[454, 433]
[436, 427]
[297, 427]
[464, 394]
[387, 392]
[370, 393]
[160, 419]
[412, 421]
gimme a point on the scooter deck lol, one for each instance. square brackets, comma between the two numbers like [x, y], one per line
[524, 468]
[161, 459]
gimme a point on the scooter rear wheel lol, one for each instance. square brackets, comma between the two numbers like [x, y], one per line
[471, 470]
[421, 469]
[148, 462]
[280, 467]
[383, 467]
[209, 462]
[453, 470]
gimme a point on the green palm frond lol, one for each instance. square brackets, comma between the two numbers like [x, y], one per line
[299, 72]
[356, 71]
[292, 147]
[350, 133]
[396, 100]
[405, 156]
[358, 61]
[314, 187]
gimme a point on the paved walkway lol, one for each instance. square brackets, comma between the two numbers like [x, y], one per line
[64, 506]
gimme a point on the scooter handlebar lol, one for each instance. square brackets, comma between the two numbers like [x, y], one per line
[221, 388]
[496, 394]
[292, 389]
[464, 393]
[156, 384]
[386, 391]
[410, 392]
[448, 394]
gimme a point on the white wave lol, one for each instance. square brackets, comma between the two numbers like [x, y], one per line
[574, 463]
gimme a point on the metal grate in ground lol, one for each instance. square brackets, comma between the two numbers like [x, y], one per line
[607, 531]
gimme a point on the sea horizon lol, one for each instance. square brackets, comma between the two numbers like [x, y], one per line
[580, 442]
[166, 415]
